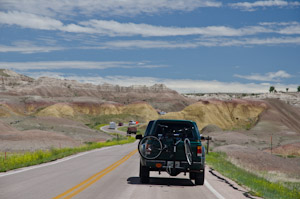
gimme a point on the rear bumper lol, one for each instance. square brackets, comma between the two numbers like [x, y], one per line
[179, 165]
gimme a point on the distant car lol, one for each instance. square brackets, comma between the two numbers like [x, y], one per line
[121, 124]
[162, 112]
[112, 125]
[131, 130]
[131, 122]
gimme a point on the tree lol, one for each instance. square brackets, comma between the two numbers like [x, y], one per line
[272, 88]
[298, 89]
[287, 89]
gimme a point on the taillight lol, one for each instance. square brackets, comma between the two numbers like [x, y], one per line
[199, 150]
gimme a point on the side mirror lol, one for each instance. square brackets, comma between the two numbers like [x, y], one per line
[202, 137]
[139, 137]
[205, 138]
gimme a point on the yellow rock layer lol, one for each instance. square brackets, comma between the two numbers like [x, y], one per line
[226, 115]
[72, 110]
[6, 111]
[57, 110]
[141, 109]
[97, 109]
[31, 108]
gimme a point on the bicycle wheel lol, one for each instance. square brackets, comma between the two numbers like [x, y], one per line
[188, 151]
[150, 147]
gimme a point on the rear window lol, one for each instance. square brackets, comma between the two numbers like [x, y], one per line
[167, 128]
[148, 128]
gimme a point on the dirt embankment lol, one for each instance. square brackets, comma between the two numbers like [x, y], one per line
[232, 114]
[33, 123]
[19, 133]
[271, 148]
[283, 114]
[12, 139]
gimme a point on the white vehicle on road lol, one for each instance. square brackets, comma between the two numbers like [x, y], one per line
[112, 125]
[131, 122]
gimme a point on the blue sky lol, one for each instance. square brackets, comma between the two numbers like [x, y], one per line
[189, 45]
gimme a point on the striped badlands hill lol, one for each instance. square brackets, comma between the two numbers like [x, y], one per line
[158, 95]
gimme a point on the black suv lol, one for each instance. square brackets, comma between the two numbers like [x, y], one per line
[172, 146]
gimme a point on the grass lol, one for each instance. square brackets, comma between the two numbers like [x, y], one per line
[18, 160]
[286, 156]
[258, 185]
[97, 127]
[123, 128]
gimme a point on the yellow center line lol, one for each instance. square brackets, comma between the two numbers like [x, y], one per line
[94, 178]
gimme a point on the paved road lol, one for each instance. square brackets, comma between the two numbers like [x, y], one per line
[110, 173]
[108, 130]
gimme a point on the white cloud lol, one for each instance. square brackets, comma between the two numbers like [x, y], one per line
[36, 75]
[180, 85]
[288, 23]
[28, 20]
[209, 36]
[290, 30]
[271, 76]
[27, 47]
[249, 41]
[203, 42]
[250, 6]
[114, 28]
[51, 65]
[129, 44]
[65, 8]
[158, 44]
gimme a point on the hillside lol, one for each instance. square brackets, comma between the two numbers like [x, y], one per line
[158, 95]
[227, 115]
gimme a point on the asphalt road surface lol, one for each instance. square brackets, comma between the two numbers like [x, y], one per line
[108, 130]
[108, 173]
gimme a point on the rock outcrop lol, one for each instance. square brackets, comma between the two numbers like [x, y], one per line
[225, 114]
[158, 95]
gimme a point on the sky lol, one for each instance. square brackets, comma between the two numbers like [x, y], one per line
[202, 46]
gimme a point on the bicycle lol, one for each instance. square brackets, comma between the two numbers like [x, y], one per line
[151, 147]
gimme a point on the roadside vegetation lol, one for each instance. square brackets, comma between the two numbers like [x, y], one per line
[97, 127]
[17, 160]
[258, 185]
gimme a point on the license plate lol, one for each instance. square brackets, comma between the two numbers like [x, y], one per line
[171, 164]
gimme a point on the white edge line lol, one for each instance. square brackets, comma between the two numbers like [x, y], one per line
[52, 163]
[217, 194]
